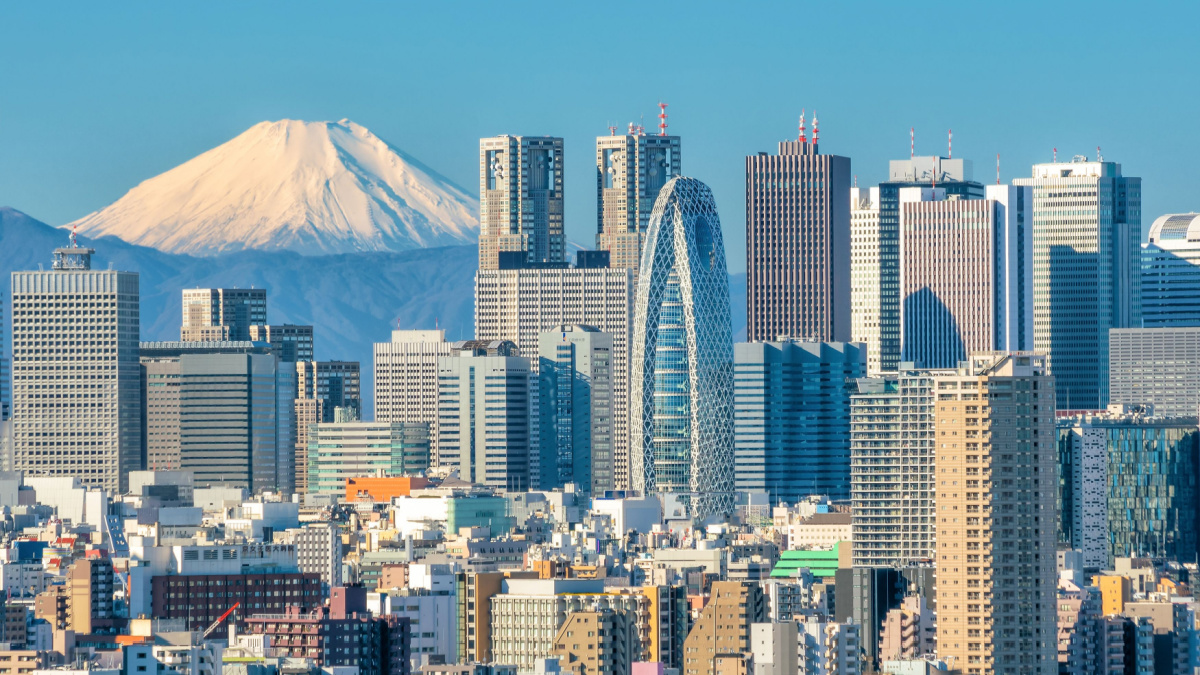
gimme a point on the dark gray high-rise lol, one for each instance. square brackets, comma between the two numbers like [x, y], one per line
[797, 244]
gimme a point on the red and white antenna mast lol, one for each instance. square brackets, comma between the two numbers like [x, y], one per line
[997, 168]
[803, 137]
[950, 144]
[1099, 157]
[912, 143]
[612, 131]
[74, 231]
[662, 119]
[815, 130]
[1056, 155]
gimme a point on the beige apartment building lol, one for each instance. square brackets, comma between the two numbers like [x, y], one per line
[720, 639]
[995, 534]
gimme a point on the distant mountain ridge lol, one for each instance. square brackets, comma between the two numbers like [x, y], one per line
[353, 300]
[315, 188]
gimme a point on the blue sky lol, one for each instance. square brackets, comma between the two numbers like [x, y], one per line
[96, 97]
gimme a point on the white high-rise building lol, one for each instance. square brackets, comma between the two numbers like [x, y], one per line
[487, 407]
[1087, 226]
[865, 273]
[76, 378]
[1171, 272]
[891, 468]
[521, 304]
[405, 379]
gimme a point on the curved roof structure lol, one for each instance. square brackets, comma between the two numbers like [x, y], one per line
[1173, 227]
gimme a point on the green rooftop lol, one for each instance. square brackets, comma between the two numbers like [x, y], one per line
[823, 564]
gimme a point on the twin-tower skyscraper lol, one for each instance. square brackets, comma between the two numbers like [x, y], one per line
[668, 309]
[521, 196]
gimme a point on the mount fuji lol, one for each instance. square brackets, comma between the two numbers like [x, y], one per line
[314, 188]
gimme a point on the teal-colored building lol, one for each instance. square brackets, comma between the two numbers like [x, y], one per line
[822, 564]
[341, 450]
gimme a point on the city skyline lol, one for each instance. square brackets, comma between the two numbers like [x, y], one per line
[138, 123]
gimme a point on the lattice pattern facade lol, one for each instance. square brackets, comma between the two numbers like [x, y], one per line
[681, 424]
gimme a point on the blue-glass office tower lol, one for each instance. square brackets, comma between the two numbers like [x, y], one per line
[791, 402]
[575, 400]
[681, 384]
[1128, 486]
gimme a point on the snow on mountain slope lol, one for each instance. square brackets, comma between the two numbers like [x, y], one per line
[315, 188]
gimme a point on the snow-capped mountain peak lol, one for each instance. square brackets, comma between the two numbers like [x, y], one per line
[311, 187]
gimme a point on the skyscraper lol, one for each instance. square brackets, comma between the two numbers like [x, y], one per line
[1087, 221]
[952, 175]
[1171, 272]
[342, 450]
[865, 273]
[224, 412]
[1156, 367]
[221, 313]
[891, 468]
[487, 415]
[521, 303]
[520, 198]
[966, 275]
[322, 387]
[292, 343]
[1128, 485]
[76, 381]
[575, 376]
[630, 170]
[405, 376]
[798, 244]
[791, 403]
[996, 468]
[681, 402]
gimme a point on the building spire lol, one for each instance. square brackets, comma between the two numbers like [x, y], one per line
[662, 118]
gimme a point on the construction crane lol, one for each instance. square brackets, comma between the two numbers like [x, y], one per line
[208, 631]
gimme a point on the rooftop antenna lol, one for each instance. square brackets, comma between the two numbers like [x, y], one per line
[612, 131]
[1056, 155]
[997, 168]
[1099, 157]
[803, 137]
[815, 132]
[950, 145]
[662, 118]
[75, 231]
[933, 175]
[855, 180]
[912, 143]
[641, 126]
[632, 130]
